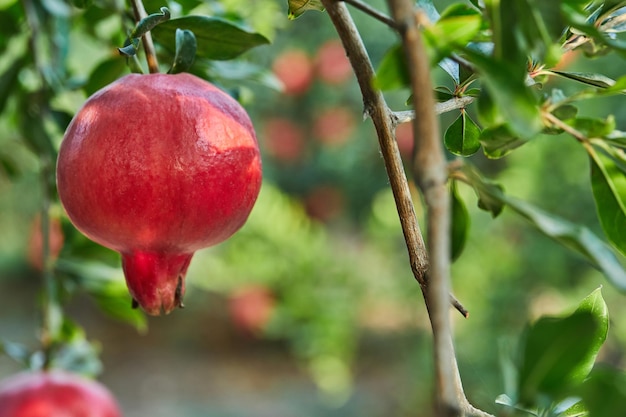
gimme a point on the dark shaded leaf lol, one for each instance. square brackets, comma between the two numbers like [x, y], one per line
[488, 192]
[604, 392]
[460, 223]
[559, 352]
[593, 127]
[216, 38]
[186, 47]
[461, 137]
[105, 73]
[8, 80]
[298, 7]
[608, 183]
[565, 112]
[498, 141]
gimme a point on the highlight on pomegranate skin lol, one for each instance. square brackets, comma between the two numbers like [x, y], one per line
[156, 167]
[55, 394]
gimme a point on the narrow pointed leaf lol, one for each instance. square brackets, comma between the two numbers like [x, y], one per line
[499, 141]
[149, 22]
[596, 80]
[460, 223]
[608, 183]
[216, 38]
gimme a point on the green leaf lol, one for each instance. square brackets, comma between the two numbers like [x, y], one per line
[460, 223]
[461, 137]
[558, 352]
[499, 141]
[217, 38]
[489, 192]
[596, 80]
[186, 47]
[608, 183]
[593, 127]
[392, 72]
[573, 236]
[19, 353]
[75, 353]
[149, 22]
[105, 73]
[604, 392]
[456, 27]
[298, 7]
[8, 80]
[514, 100]
[577, 409]
[108, 288]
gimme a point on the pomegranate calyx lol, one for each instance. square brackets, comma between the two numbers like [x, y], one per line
[156, 280]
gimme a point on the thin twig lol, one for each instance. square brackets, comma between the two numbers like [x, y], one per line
[376, 107]
[455, 103]
[430, 170]
[556, 122]
[375, 13]
[148, 46]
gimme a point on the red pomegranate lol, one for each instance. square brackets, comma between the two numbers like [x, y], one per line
[55, 394]
[156, 167]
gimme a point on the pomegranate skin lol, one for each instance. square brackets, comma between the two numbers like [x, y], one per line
[156, 167]
[55, 394]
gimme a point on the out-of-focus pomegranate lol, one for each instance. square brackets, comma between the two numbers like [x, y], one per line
[35, 241]
[294, 68]
[156, 167]
[251, 308]
[332, 64]
[55, 394]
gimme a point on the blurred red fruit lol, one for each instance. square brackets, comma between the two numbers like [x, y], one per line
[404, 137]
[55, 394]
[332, 64]
[283, 139]
[251, 308]
[334, 126]
[324, 203]
[294, 69]
[35, 241]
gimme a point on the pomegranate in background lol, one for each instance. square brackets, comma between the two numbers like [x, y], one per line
[35, 241]
[284, 140]
[55, 394]
[294, 69]
[251, 308]
[332, 64]
[156, 167]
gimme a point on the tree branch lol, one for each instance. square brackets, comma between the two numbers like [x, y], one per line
[383, 118]
[430, 170]
[376, 14]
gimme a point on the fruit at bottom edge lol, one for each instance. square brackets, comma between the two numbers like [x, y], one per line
[55, 394]
[156, 167]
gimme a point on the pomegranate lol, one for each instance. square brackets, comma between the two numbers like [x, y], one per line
[35, 241]
[55, 394]
[156, 167]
